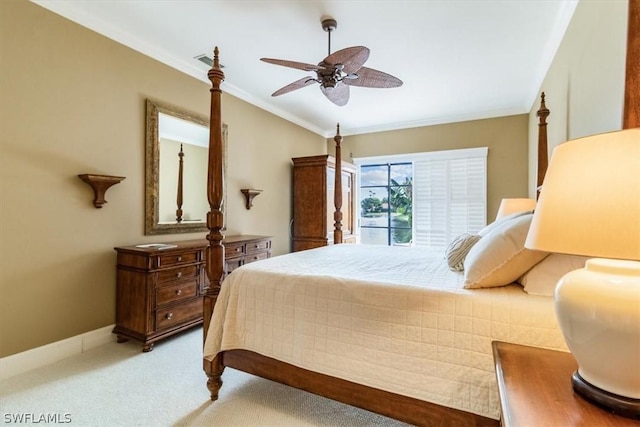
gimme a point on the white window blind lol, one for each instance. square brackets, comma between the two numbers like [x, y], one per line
[450, 195]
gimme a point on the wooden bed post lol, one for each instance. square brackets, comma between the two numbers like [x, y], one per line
[215, 221]
[543, 156]
[179, 197]
[337, 195]
[631, 117]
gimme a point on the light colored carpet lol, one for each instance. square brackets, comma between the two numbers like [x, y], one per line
[118, 385]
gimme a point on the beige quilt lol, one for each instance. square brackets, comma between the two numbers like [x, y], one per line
[394, 318]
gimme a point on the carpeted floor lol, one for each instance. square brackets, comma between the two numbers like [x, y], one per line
[118, 385]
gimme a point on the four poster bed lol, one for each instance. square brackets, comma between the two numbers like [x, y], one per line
[404, 336]
[397, 333]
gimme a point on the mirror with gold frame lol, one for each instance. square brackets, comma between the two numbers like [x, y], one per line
[176, 157]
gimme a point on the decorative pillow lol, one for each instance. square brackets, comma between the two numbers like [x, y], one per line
[544, 276]
[458, 249]
[500, 221]
[500, 257]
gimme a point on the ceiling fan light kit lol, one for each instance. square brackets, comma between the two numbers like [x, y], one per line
[337, 71]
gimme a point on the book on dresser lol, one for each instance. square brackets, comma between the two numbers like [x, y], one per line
[159, 286]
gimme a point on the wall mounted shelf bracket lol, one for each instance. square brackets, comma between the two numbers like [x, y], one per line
[249, 194]
[100, 184]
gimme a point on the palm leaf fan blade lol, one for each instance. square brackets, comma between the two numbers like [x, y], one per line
[353, 58]
[298, 84]
[291, 64]
[368, 77]
[339, 94]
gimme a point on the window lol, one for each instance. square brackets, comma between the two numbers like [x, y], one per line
[386, 203]
[446, 192]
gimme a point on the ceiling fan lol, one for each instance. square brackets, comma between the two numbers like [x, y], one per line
[337, 71]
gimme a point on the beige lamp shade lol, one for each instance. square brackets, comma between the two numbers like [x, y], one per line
[590, 199]
[511, 206]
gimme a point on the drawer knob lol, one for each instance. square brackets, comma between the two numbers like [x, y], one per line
[179, 292]
[179, 258]
[179, 274]
[169, 316]
[257, 246]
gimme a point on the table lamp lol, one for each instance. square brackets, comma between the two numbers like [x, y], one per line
[510, 206]
[590, 205]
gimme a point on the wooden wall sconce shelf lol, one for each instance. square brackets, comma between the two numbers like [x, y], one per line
[249, 194]
[100, 184]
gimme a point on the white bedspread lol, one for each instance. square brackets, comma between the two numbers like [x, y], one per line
[393, 318]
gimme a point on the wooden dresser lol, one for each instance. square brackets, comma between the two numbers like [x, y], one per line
[159, 291]
[313, 205]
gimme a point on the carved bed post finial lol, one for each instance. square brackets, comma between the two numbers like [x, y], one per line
[337, 196]
[179, 198]
[215, 220]
[543, 157]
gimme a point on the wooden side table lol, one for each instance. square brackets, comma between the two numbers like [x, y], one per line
[535, 390]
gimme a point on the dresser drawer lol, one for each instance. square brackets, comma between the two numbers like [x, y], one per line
[178, 292]
[255, 257]
[178, 314]
[231, 264]
[178, 273]
[259, 246]
[168, 260]
[233, 249]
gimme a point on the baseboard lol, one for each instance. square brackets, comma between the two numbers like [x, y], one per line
[41, 356]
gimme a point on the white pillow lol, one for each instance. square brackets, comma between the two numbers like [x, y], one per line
[500, 257]
[500, 221]
[544, 276]
[458, 249]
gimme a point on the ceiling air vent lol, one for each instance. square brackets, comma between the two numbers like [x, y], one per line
[206, 60]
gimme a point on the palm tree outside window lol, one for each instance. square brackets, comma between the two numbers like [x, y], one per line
[386, 204]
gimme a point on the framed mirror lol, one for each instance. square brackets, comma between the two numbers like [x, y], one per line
[176, 157]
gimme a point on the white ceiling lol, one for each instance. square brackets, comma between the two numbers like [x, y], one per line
[459, 60]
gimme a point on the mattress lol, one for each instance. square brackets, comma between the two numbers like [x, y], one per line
[393, 318]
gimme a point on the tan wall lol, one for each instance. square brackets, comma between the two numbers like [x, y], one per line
[73, 102]
[584, 86]
[506, 138]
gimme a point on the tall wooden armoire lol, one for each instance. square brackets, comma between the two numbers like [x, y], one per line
[313, 204]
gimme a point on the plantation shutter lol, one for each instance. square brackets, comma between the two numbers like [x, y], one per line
[450, 195]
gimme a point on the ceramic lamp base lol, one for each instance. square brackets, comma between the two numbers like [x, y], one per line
[598, 311]
[619, 405]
